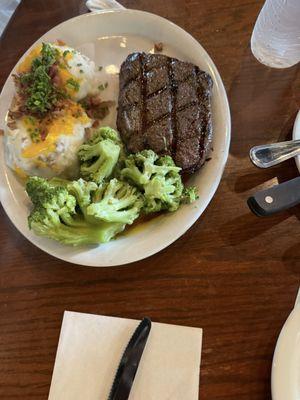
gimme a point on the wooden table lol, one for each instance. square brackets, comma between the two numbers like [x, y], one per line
[233, 274]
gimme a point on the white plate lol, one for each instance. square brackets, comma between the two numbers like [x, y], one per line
[296, 136]
[107, 38]
[286, 361]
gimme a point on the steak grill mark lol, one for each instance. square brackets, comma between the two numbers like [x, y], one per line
[164, 104]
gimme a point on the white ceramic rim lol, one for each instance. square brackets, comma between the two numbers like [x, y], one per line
[285, 367]
[296, 136]
[213, 187]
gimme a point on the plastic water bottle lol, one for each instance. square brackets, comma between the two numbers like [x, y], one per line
[275, 39]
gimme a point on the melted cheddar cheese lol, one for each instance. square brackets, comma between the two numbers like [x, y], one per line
[61, 125]
[25, 65]
[64, 75]
[63, 72]
[21, 174]
[68, 56]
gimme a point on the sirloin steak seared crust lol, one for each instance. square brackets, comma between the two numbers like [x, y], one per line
[164, 105]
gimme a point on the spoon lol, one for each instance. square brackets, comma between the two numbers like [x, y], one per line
[265, 156]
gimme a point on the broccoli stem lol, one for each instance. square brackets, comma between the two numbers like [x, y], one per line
[79, 235]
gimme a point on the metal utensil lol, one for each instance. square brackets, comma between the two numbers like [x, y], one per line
[130, 361]
[265, 156]
[98, 5]
[275, 199]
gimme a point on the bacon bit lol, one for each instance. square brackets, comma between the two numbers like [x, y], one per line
[108, 103]
[53, 73]
[61, 105]
[17, 109]
[12, 124]
[90, 113]
[15, 114]
[95, 107]
[16, 79]
[53, 70]
[56, 81]
[96, 123]
[57, 113]
[1, 132]
[158, 47]
[60, 42]
[95, 100]
[88, 133]
[17, 101]
[43, 135]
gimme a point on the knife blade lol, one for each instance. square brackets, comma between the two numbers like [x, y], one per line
[129, 362]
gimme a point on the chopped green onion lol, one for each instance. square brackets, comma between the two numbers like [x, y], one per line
[72, 84]
[102, 87]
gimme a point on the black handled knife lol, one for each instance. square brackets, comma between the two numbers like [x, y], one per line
[130, 361]
[277, 198]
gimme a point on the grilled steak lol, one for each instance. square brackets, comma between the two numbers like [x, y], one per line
[164, 105]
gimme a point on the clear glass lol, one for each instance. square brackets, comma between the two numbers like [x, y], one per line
[275, 39]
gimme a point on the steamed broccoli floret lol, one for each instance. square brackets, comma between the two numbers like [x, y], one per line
[56, 181]
[109, 133]
[116, 201]
[51, 226]
[99, 156]
[163, 192]
[55, 216]
[82, 191]
[189, 195]
[142, 166]
[157, 177]
[55, 198]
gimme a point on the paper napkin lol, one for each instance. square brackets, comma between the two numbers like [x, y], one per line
[90, 348]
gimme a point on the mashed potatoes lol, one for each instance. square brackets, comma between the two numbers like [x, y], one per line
[79, 68]
[75, 72]
[57, 153]
[46, 124]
